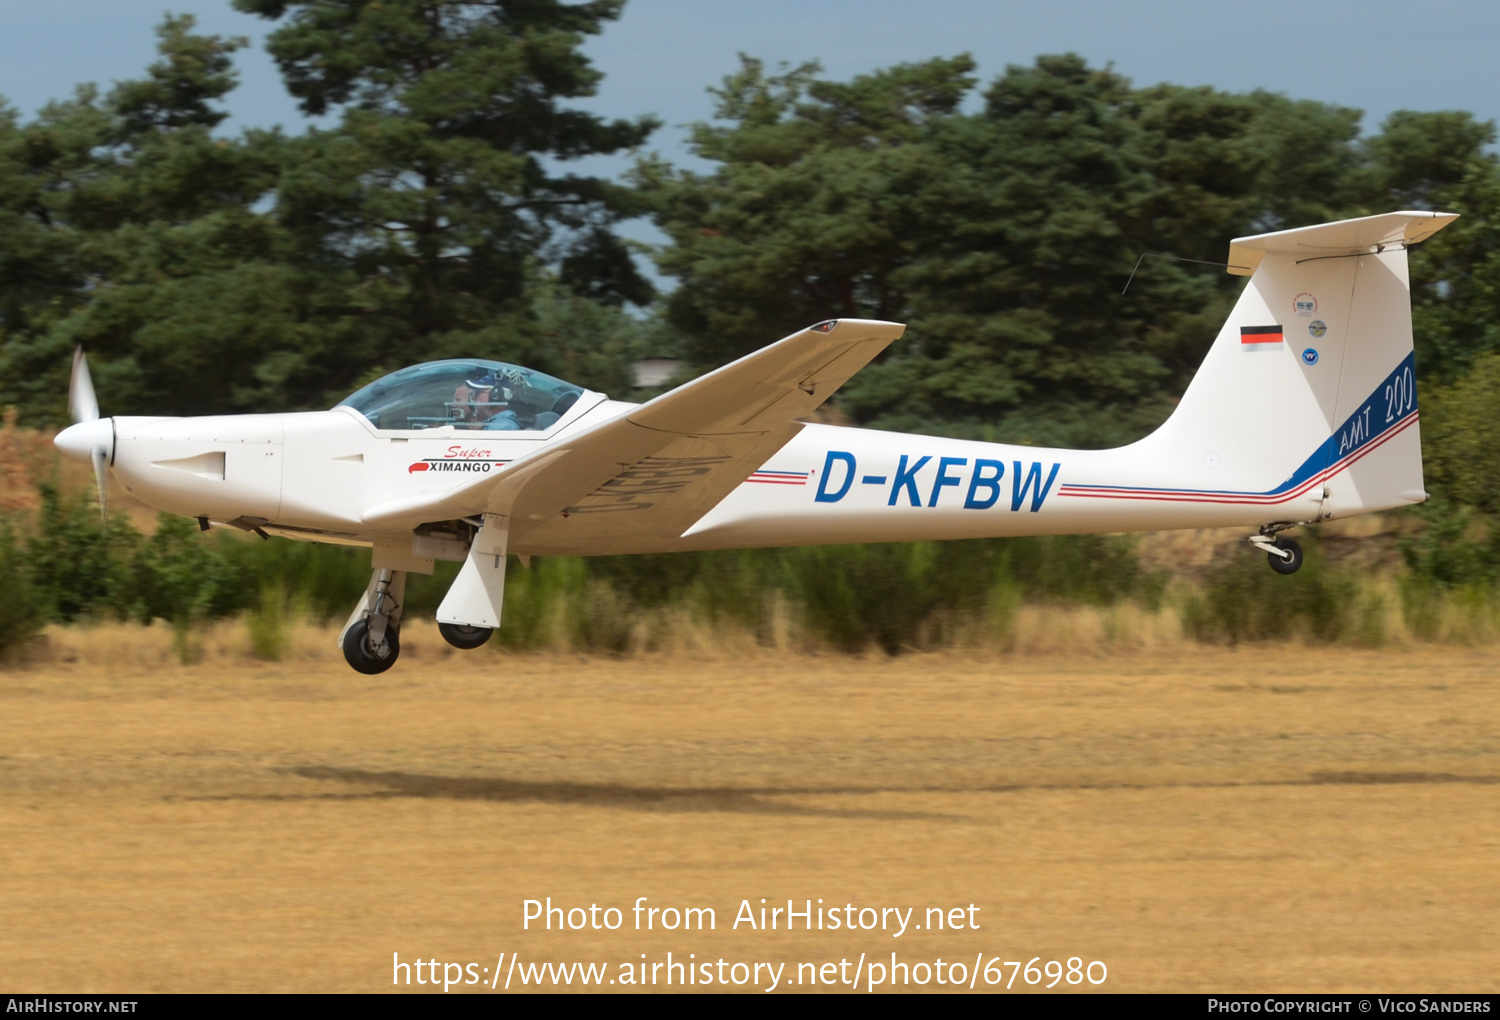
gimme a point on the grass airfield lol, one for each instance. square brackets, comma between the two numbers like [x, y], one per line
[1272, 818]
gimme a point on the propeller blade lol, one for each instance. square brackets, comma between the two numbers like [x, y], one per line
[83, 437]
[81, 400]
[100, 457]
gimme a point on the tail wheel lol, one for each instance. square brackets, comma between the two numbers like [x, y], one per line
[365, 659]
[461, 636]
[1290, 565]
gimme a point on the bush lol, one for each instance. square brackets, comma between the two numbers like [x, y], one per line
[324, 581]
[178, 574]
[1463, 461]
[64, 565]
[545, 605]
[80, 566]
[267, 633]
[1241, 600]
[21, 612]
[1456, 547]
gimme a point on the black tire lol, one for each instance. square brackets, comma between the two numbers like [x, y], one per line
[364, 659]
[1290, 566]
[460, 636]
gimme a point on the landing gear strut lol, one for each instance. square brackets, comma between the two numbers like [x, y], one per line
[371, 641]
[1284, 554]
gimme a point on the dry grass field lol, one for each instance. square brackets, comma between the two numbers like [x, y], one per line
[1259, 819]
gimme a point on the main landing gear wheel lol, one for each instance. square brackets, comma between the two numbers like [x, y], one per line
[461, 636]
[1291, 564]
[365, 659]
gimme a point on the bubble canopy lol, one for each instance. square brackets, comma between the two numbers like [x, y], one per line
[465, 393]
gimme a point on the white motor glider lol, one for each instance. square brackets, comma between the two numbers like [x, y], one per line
[1304, 410]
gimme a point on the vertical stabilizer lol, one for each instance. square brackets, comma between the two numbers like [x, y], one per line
[1306, 403]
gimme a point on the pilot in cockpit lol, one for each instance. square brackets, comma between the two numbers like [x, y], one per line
[486, 400]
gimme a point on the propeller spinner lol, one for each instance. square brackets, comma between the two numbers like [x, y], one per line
[91, 438]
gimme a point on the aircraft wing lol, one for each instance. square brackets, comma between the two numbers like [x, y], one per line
[641, 479]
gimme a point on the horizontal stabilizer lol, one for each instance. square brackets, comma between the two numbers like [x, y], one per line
[1331, 240]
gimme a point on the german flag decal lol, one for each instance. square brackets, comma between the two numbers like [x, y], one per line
[1260, 338]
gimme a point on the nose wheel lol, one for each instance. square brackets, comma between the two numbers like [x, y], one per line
[365, 653]
[461, 636]
[371, 640]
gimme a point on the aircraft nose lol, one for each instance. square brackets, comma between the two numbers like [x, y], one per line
[81, 440]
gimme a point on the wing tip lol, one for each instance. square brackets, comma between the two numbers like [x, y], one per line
[879, 327]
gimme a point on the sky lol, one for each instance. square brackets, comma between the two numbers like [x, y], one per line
[660, 57]
[1376, 55]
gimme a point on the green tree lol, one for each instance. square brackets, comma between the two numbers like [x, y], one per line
[80, 567]
[42, 280]
[431, 207]
[588, 341]
[155, 258]
[211, 274]
[21, 613]
[37, 273]
[1003, 238]
[1458, 424]
[1418, 158]
[1065, 179]
[1441, 161]
[813, 211]
[179, 575]
[1015, 322]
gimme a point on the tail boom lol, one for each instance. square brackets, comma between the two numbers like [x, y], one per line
[1305, 409]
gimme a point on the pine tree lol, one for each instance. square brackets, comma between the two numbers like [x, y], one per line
[151, 244]
[1003, 238]
[440, 194]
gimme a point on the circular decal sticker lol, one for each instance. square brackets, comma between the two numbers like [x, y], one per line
[1305, 305]
[1309, 357]
[1317, 328]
